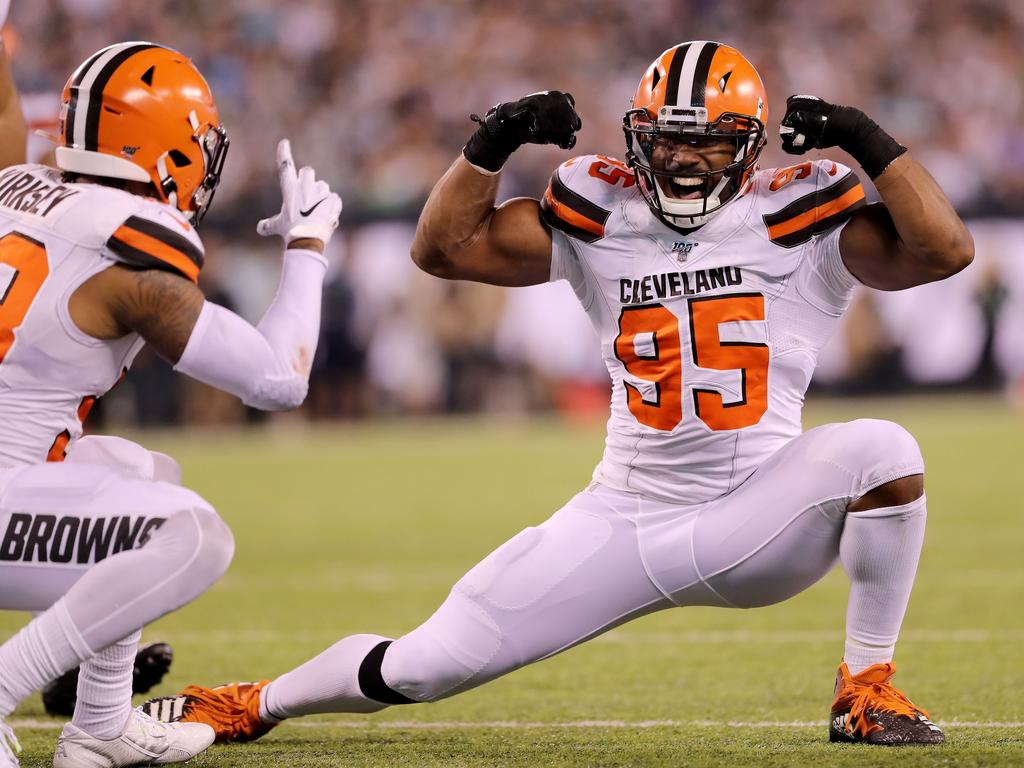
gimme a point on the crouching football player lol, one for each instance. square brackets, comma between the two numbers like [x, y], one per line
[713, 285]
[95, 262]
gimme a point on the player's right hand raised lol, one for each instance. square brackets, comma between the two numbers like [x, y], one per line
[548, 117]
[309, 210]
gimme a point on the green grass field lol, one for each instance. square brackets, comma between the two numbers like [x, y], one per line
[364, 528]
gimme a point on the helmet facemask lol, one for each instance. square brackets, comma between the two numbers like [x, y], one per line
[717, 187]
[213, 143]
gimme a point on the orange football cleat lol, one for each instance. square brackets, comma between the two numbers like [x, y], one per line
[233, 711]
[869, 709]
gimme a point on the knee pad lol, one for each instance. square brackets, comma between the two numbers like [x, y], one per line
[446, 654]
[217, 543]
[198, 542]
[873, 451]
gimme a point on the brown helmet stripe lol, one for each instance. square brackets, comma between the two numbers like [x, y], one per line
[69, 119]
[92, 120]
[674, 69]
[700, 74]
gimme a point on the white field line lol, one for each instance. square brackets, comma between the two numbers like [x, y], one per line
[693, 637]
[412, 725]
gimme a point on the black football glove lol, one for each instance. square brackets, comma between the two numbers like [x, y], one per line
[548, 117]
[812, 123]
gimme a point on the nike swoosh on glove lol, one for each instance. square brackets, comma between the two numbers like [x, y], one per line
[308, 209]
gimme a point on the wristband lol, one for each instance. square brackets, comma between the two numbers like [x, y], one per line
[866, 142]
[485, 149]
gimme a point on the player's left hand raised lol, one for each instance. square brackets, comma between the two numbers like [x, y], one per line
[813, 123]
[309, 210]
[548, 117]
[803, 126]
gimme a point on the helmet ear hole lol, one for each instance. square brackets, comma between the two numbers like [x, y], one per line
[179, 158]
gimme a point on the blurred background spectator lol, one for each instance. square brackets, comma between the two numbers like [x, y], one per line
[376, 94]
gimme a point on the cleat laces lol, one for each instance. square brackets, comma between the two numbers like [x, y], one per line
[226, 710]
[876, 697]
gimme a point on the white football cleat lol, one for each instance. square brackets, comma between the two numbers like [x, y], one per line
[144, 741]
[9, 747]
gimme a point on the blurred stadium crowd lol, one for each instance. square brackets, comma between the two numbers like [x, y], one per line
[376, 94]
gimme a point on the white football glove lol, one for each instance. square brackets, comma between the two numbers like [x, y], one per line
[309, 209]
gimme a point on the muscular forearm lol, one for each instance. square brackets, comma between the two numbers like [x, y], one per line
[930, 231]
[455, 214]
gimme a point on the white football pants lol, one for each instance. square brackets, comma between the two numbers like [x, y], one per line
[609, 556]
[160, 545]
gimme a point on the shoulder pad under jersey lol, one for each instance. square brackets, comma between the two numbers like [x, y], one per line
[155, 235]
[808, 199]
[582, 193]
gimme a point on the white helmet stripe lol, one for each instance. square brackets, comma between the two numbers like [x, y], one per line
[76, 125]
[682, 97]
[82, 95]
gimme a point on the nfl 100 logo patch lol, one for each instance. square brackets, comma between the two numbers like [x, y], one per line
[682, 249]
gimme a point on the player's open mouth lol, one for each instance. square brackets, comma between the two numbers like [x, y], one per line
[685, 187]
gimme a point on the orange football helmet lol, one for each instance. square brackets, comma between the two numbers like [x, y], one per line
[142, 112]
[698, 91]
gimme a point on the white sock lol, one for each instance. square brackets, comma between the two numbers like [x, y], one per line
[879, 550]
[43, 650]
[105, 689]
[326, 683]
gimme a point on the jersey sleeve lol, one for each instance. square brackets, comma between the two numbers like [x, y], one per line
[574, 204]
[816, 218]
[564, 261]
[813, 199]
[154, 237]
[823, 279]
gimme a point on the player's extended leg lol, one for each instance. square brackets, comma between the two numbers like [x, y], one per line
[71, 549]
[852, 492]
[548, 588]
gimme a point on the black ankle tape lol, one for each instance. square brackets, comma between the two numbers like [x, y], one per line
[371, 681]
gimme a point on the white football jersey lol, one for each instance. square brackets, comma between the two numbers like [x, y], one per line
[710, 337]
[53, 237]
